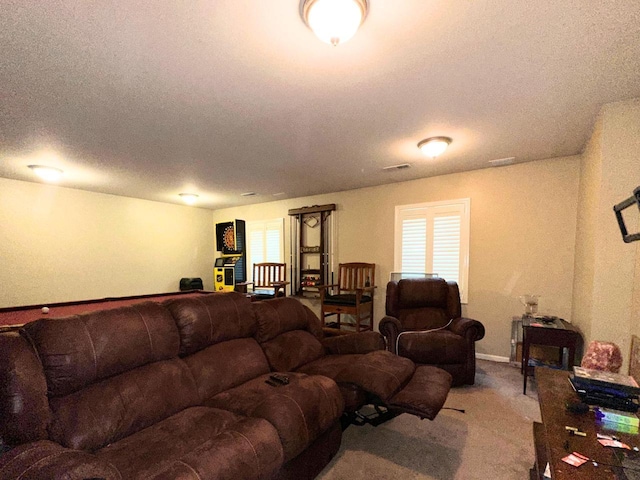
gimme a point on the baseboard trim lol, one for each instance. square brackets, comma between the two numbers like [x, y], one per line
[492, 358]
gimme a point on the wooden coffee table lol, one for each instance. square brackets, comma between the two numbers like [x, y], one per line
[553, 441]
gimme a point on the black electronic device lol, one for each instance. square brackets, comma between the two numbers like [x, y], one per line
[633, 200]
[190, 284]
[277, 380]
[280, 378]
[577, 407]
[603, 396]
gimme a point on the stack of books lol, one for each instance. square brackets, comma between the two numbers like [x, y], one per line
[609, 390]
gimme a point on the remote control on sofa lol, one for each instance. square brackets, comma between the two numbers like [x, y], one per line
[277, 379]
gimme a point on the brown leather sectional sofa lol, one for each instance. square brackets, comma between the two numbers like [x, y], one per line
[182, 390]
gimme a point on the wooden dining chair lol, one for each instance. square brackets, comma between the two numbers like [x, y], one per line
[269, 281]
[352, 295]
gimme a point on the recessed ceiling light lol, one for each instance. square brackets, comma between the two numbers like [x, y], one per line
[189, 198]
[49, 174]
[434, 146]
[502, 161]
[248, 194]
[402, 166]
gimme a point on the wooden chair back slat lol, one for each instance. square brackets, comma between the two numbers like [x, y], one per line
[356, 275]
[265, 274]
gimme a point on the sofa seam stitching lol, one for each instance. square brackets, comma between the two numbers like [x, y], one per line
[93, 348]
[27, 450]
[190, 468]
[255, 454]
[148, 332]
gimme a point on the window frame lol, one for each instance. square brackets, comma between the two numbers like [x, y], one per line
[428, 210]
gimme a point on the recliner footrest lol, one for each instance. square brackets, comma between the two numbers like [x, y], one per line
[379, 372]
[425, 393]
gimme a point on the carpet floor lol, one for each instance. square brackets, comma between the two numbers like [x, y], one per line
[492, 440]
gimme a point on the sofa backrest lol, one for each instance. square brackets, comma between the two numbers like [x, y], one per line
[108, 372]
[217, 340]
[422, 303]
[288, 332]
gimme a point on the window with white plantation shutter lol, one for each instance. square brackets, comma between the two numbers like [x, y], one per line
[434, 238]
[265, 242]
[273, 247]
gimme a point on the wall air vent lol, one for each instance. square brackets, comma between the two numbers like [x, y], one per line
[502, 161]
[402, 166]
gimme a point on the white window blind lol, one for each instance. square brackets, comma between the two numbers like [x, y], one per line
[434, 238]
[265, 242]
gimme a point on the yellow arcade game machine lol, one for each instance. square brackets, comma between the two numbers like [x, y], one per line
[230, 268]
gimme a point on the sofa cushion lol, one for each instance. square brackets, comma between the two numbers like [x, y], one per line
[330, 366]
[241, 452]
[209, 319]
[79, 350]
[47, 460]
[291, 350]
[238, 446]
[282, 315]
[300, 411]
[114, 408]
[288, 332]
[380, 372]
[435, 348]
[226, 365]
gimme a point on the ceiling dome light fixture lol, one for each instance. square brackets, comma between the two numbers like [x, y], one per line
[189, 198]
[434, 146]
[334, 21]
[48, 174]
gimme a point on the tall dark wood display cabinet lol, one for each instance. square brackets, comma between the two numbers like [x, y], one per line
[311, 248]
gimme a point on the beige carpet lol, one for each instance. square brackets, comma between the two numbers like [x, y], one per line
[492, 440]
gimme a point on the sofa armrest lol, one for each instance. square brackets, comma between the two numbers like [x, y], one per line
[390, 327]
[24, 407]
[46, 459]
[467, 327]
[364, 342]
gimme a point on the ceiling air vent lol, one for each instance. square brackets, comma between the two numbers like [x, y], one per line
[502, 161]
[402, 166]
[248, 194]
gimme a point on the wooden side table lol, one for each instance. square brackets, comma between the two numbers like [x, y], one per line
[559, 334]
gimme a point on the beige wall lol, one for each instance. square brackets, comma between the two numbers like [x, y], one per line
[532, 226]
[523, 221]
[606, 267]
[59, 244]
[585, 253]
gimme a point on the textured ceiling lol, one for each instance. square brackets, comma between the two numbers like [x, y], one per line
[221, 97]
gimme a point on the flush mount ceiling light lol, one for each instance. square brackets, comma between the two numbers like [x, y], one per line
[334, 21]
[189, 198]
[48, 174]
[434, 146]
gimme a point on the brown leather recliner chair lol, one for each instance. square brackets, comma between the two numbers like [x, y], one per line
[424, 324]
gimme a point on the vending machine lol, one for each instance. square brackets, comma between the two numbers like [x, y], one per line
[224, 274]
